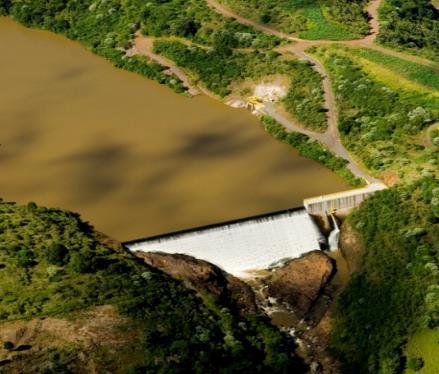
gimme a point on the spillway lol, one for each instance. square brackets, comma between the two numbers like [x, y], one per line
[244, 245]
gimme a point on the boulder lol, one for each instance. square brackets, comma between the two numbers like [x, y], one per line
[300, 282]
[203, 276]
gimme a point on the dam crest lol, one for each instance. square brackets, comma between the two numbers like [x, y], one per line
[258, 242]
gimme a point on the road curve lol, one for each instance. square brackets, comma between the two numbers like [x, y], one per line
[144, 46]
[331, 137]
[227, 12]
[367, 41]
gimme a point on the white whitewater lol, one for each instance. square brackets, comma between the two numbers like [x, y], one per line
[334, 236]
[245, 245]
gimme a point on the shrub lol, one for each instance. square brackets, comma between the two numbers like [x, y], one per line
[415, 363]
[82, 262]
[410, 24]
[25, 258]
[57, 254]
[8, 345]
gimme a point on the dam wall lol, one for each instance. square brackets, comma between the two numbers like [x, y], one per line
[241, 246]
[344, 201]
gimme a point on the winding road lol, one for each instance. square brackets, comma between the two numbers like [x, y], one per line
[331, 137]
[144, 46]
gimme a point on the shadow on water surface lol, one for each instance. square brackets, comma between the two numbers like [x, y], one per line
[132, 157]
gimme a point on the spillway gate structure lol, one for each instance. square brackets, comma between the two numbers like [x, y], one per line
[341, 201]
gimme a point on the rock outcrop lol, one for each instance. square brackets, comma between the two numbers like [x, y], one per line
[299, 283]
[202, 276]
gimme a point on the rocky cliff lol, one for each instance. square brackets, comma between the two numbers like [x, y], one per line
[202, 276]
[299, 283]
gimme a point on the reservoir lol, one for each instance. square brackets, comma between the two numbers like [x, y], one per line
[132, 157]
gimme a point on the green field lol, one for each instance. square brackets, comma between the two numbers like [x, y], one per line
[319, 27]
[424, 75]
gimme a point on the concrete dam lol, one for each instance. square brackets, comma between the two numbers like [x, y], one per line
[244, 245]
[258, 242]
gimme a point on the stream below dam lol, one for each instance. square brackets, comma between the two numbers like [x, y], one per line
[132, 157]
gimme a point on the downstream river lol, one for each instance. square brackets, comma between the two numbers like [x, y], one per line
[132, 157]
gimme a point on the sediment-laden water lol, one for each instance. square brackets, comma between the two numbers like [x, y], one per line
[131, 156]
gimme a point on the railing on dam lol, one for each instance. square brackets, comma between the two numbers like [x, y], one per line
[247, 244]
[341, 200]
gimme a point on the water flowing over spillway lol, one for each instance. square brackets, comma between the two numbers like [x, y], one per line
[241, 246]
[334, 236]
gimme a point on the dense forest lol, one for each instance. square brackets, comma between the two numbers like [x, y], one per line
[310, 19]
[395, 292]
[412, 25]
[51, 264]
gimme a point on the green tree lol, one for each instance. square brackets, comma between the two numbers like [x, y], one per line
[4, 7]
[415, 363]
[224, 42]
[57, 254]
[82, 262]
[8, 345]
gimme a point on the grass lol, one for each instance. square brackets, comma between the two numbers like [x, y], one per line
[320, 28]
[423, 75]
[308, 19]
[392, 78]
[425, 345]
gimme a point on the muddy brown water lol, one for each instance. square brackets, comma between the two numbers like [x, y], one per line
[131, 156]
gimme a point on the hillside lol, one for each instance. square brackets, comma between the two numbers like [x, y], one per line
[392, 300]
[70, 304]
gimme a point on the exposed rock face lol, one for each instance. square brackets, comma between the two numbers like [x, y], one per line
[203, 276]
[300, 282]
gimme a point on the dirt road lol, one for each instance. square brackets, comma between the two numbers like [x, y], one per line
[331, 137]
[144, 46]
